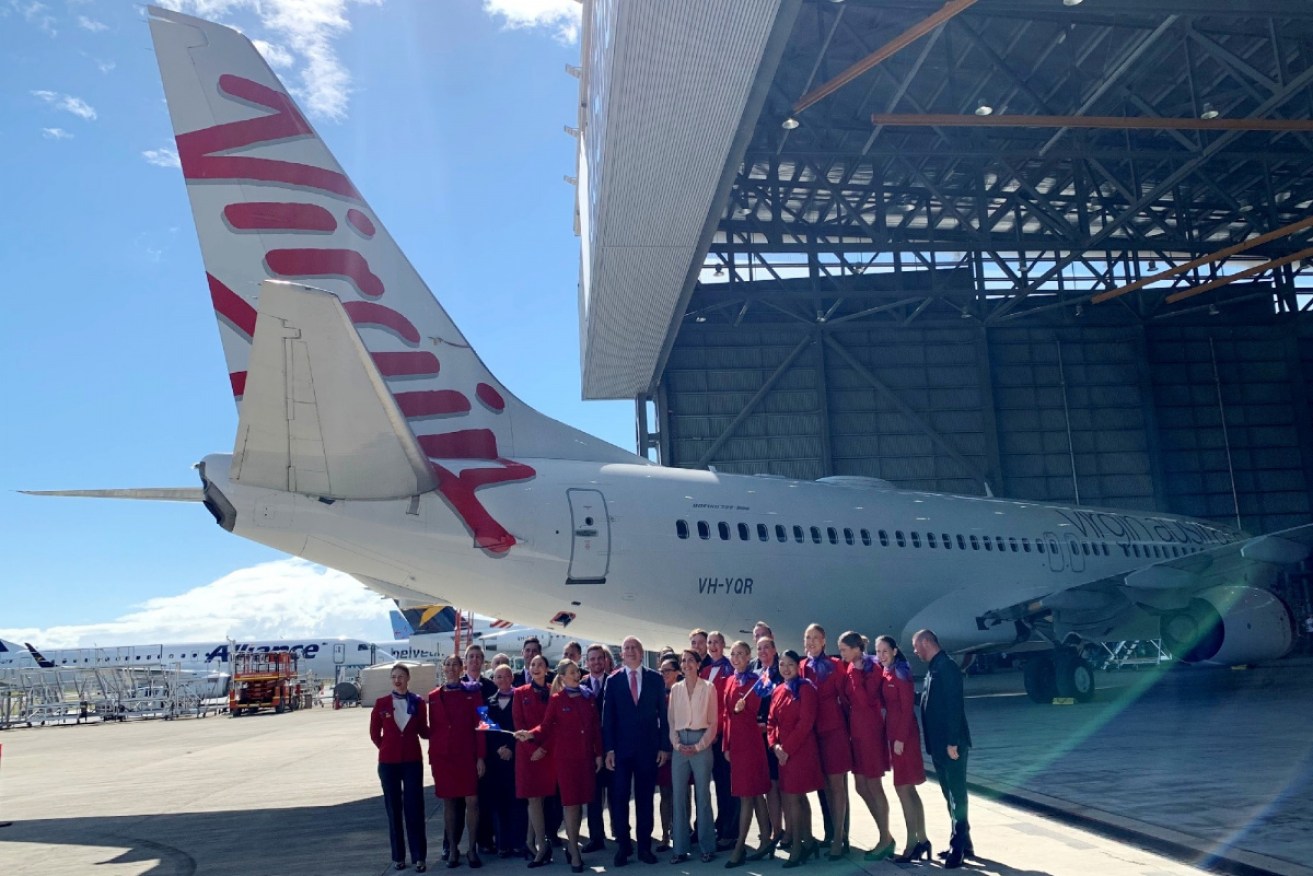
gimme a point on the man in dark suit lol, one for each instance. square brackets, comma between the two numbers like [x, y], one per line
[947, 738]
[529, 650]
[637, 741]
[599, 665]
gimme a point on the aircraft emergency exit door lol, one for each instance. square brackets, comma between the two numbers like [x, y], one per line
[590, 553]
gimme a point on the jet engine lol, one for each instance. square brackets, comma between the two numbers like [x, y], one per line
[1227, 625]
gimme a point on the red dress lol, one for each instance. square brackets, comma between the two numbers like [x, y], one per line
[792, 724]
[749, 772]
[831, 713]
[572, 732]
[455, 744]
[900, 725]
[533, 778]
[866, 719]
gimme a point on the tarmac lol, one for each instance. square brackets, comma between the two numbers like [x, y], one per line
[1175, 770]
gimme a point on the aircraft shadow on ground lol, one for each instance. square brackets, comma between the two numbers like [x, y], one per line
[347, 838]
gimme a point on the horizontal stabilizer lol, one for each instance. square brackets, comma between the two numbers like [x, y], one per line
[317, 418]
[148, 494]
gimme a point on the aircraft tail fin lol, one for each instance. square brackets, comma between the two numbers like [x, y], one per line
[400, 629]
[38, 657]
[430, 619]
[271, 202]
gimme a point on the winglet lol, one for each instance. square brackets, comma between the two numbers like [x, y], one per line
[317, 418]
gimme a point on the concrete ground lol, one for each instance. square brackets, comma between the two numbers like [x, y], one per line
[1217, 761]
[298, 793]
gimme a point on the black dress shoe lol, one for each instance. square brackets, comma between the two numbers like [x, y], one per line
[421, 867]
[594, 846]
[646, 856]
[622, 857]
[398, 865]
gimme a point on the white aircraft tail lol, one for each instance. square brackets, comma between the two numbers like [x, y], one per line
[271, 202]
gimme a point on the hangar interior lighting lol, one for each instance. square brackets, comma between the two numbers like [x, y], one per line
[1209, 112]
[790, 123]
[984, 109]
[1071, 2]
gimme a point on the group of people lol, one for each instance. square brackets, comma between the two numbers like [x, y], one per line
[520, 755]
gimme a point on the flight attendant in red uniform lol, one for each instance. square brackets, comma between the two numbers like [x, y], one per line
[572, 732]
[904, 744]
[828, 674]
[396, 726]
[791, 732]
[535, 775]
[456, 751]
[865, 683]
[745, 748]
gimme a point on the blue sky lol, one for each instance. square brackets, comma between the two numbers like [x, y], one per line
[449, 118]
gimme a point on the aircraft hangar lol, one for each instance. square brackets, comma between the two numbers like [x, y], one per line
[1047, 249]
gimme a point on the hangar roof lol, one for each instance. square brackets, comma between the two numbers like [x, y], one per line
[990, 159]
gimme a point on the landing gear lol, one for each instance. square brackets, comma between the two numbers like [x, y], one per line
[1062, 673]
[1074, 677]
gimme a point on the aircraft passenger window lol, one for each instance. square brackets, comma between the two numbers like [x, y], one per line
[763, 534]
[884, 538]
[1135, 549]
[866, 537]
[723, 528]
[1085, 548]
[681, 528]
[832, 534]
[1012, 543]
[780, 534]
[898, 537]
[999, 541]
[848, 535]
[961, 543]
[744, 535]
[989, 542]
[930, 540]
[975, 543]
[816, 535]
[947, 540]
[1025, 545]
[797, 534]
[704, 531]
[916, 539]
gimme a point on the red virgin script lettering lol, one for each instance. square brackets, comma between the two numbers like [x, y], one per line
[207, 155]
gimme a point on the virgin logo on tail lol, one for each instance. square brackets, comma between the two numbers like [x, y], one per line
[206, 155]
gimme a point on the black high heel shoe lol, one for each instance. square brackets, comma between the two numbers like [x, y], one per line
[454, 861]
[812, 850]
[766, 851]
[920, 850]
[474, 860]
[542, 860]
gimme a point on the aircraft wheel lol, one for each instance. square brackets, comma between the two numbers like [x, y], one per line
[1039, 675]
[1073, 676]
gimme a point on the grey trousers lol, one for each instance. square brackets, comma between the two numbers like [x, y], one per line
[700, 766]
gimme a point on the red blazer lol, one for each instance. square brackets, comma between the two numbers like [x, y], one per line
[832, 702]
[397, 746]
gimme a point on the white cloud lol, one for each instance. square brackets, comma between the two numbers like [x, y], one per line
[559, 16]
[162, 157]
[307, 30]
[56, 134]
[68, 103]
[36, 14]
[279, 600]
[91, 24]
[277, 56]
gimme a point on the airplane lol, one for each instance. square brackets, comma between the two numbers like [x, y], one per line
[372, 439]
[323, 657]
[426, 632]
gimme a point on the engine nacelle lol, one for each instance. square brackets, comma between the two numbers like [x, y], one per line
[1227, 625]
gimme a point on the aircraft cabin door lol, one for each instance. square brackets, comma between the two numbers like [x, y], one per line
[1054, 551]
[339, 653]
[590, 547]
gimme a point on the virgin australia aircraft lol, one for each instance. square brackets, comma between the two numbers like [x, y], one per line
[426, 632]
[372, 439]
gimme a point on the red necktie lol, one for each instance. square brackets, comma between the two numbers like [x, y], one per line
[633, 685]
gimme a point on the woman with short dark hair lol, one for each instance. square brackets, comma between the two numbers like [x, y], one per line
[904, 744]
[791, 732]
